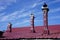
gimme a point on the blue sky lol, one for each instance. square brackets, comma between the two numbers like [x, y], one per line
[18, 12]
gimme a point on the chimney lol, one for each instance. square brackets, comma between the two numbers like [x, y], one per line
[9, 27]
[45, 10]
[32, 23]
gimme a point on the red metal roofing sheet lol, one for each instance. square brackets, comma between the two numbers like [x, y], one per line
[25, 32]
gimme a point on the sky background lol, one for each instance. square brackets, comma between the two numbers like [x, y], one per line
[18, 12]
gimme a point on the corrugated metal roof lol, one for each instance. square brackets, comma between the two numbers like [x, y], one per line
[25, 32]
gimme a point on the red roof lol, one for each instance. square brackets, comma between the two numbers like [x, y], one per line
[25, 32]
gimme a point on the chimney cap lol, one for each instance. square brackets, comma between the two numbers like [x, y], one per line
[9, 22]
[44, 7]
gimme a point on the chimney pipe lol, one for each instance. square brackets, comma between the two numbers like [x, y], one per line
[45, 10]
[32, 23]
[10, 27]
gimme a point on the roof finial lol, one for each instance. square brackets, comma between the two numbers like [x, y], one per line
[44, 5]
